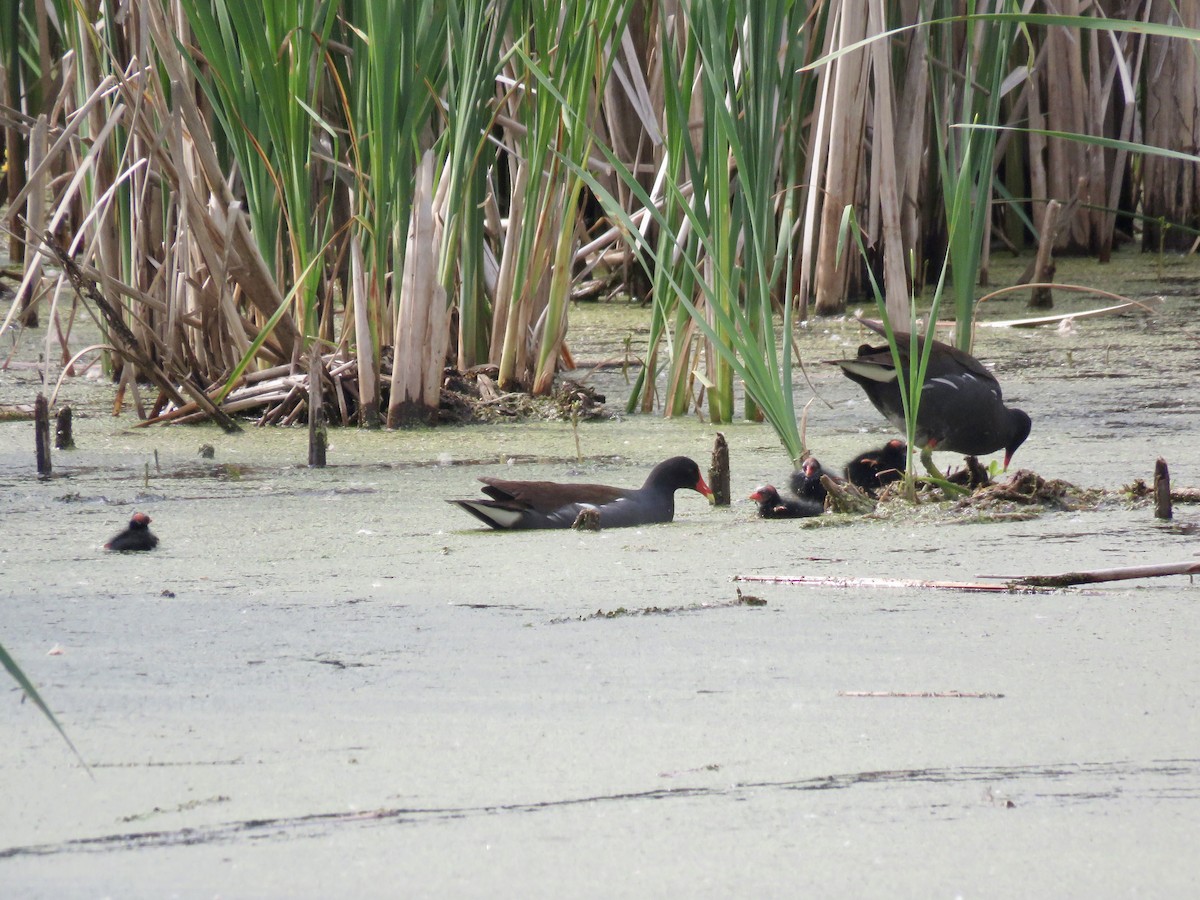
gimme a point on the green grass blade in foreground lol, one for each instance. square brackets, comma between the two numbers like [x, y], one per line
[31, 692]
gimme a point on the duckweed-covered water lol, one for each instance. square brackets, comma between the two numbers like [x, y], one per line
[332, 683]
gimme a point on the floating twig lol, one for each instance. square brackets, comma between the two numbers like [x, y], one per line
[940, 695]
[851, 582]
[1144, 306]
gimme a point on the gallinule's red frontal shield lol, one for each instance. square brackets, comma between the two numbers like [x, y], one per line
[551, 504]
[136, 537]
[962, 408]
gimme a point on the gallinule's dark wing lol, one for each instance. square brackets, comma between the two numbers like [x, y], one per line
[551, 504]
[875, 468]
[772, 506]
[136, 537]
[806, 481]
[962, 407]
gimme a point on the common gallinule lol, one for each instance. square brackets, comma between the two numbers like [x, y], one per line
[806, 481]
[549, 504]
[772, 506]
[962, 408]
[875, 468]
[136, 537]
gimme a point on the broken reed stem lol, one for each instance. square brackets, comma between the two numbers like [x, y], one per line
[41, 426]
[1162, 490]
[718, 472]
[1041, 297]
[1125, 573]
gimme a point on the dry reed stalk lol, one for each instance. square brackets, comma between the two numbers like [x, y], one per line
[1172, 114]
[884, 184]
[911, 128]
[35, 221]
[368, 371]
[1127, 75]
[846, 114]
[422, 318]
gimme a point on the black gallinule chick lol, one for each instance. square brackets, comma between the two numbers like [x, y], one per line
[136, 537]
[962, 408]
[549, 504]
[875, 468]
[806, 481]
[772, 506]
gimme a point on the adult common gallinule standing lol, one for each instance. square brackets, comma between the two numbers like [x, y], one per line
[806, 481]
[772, 506]
[550, 504]
[962, 408]
[875, 468]
[136, 537]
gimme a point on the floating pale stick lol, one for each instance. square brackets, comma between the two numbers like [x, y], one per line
[949, 695]
[1055, 320]
[844, 582]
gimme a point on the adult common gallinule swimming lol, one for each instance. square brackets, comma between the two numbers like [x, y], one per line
[136, 537]
[806, 481]
[549, 504]
[875, 468]
[772, 506]
[962, 408]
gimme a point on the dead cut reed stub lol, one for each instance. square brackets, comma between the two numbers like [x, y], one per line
[41, 427]
[317, 435]
[63, 437]
[1043, 264]
[1162, 490]
[718, 471]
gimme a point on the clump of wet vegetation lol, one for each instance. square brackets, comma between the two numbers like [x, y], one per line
[473, 397]
[622, 612]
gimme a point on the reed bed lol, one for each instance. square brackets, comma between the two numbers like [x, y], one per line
[414, 188]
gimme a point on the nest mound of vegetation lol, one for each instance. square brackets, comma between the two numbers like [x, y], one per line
[1024, 489]
[1023, 495]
